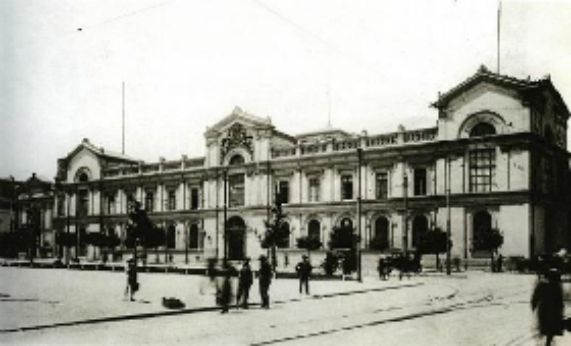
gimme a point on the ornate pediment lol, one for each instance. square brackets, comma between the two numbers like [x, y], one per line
[236, 137]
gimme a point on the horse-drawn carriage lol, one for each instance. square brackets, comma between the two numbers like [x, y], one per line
[404, 263]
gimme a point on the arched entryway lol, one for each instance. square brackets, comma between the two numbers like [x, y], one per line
[314, 229]
[419, 227]
[236, 234]
[481, 223]
[380, 238]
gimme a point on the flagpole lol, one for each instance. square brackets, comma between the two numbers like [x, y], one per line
[123, 118]
[498, 34]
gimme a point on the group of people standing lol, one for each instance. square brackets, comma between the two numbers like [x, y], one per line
[246, 280]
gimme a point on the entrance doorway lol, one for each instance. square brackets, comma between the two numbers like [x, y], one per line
[236, 231]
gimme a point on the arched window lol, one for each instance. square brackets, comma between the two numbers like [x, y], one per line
[482, 129]
[236, 160]
[283, 242]
[419, 227]
[380, 239]
[481, 224]
[82, 175]
[149, 201]
[314, 229]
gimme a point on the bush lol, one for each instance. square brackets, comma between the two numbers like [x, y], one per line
[330, 263]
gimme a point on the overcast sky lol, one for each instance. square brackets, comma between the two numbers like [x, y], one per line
[369, 64]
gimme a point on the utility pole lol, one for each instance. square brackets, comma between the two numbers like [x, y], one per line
[359, 159]
[448, 230]
[225, 231]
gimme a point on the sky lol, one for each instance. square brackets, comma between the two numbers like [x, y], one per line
[362, 65]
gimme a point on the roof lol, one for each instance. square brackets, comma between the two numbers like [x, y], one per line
[485, 75]
[238, 113]
[100, 152]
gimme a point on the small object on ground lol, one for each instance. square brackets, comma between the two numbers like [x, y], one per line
[173, 303]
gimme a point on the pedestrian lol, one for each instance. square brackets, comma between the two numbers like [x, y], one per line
[500, 263]
[225, 290]
[264, 280]
[303, 270]
[382, 268]
[547, 303]
[245, 280]
[132, 284]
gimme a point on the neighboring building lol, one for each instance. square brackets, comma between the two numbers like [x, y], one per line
[7, 204]
[499, 150]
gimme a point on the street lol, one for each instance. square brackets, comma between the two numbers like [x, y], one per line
[473, 308]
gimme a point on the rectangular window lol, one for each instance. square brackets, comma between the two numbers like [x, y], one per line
[61, 205]
[236, 190]
[282, 193]
[346, 187]
[149, 201]
[171, 200]
[111, 205]
[314, 189]
[420, 182]
[482, 169]
[82, 203]
[194, 198]
[382, 186]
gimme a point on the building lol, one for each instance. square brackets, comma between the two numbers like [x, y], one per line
[497, 158]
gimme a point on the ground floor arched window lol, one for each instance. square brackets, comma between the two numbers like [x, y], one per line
[171, 236]
[236, 242]
[193, 236]
[314, 229]
[380, 237]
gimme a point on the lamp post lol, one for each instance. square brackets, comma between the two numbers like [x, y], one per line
[225, 213]
[448, 230]
[359, 159]
[405, 235]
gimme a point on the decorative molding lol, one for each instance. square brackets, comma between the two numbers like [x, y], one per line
[236, 137]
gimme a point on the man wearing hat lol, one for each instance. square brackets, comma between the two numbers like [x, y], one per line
[245, 279]
[303, 270]
[265, 279]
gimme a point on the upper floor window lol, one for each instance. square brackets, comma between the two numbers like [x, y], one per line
[194, 198]
[149, 201]
[346, 187]
[482, 129]
[236, 190]
[382, 185]
[82, 202]
[171, 200]
[111, 204]
[314, 189]
[60, 205]
[482, 169]
[282, 193]
[420, 182]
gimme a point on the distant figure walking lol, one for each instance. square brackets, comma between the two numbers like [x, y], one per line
[245, 280]
[382, 267]
[303, 270]
[547, 303]
[224, 293]
[265, 279]
[132, 284]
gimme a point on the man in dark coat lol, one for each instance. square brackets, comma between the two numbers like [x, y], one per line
[132, 284]
[225, 291]
[303, 270]
[547, 302]
[245, 279]
[265, 279]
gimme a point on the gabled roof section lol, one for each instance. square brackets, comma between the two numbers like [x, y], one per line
[100, 152]
[239, 114]
[485, 75]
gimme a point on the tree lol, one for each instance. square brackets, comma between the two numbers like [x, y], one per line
[342, 238]
[434, 242]
[491, 240]
[95, 239]
[66, 240]
[139, 229]
[276, 230]
[378, 243]
[308, 243]
[11, 243]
